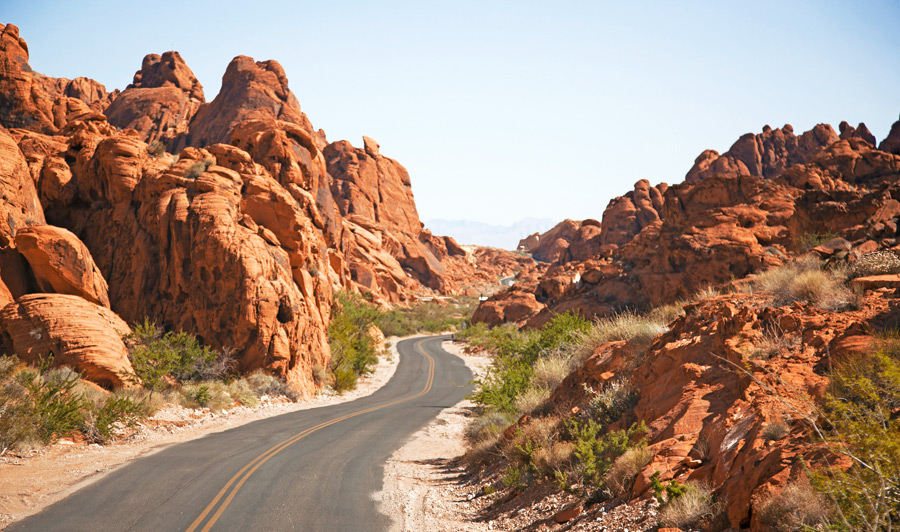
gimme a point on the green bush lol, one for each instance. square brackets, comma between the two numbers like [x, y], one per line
[596, 452]
[862, 424]
[116, 411]
[353, 351]
[157, 356]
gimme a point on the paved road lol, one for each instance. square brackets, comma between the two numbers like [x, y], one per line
[313, 470]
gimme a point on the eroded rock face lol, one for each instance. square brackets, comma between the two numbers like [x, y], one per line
[767, 154]
[891, 143]
[161, 101]
[61, 263]
[626, 215]
[251, 90]
[705, 417]
[78, 333]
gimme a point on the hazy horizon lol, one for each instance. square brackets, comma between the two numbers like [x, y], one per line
[508, 110]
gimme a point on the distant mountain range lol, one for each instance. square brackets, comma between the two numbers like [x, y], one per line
[482, 234]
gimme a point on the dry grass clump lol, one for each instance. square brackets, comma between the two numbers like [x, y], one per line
[774, 341]
[775, 430]
[620, 477]
[797, 507]
[876, 263]
[690, 509]
[531, 399]
[612, 402]
[550, 370]
[264, 384]
[806, 281]
[626, 326]
[487, 426]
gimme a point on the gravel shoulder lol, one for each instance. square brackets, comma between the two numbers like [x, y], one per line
[34, 479]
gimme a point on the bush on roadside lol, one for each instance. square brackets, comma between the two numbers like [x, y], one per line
[695, 505]
[429, 316]
[353, 351]
[796, 508]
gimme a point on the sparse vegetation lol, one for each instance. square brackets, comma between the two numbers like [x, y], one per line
[620, 478]
[694, 505]
[775, 430]
[808, 241]
[39, 405]
[798, 507]
[195, 169]
[428, 316]
[806, 281]
[156, 148]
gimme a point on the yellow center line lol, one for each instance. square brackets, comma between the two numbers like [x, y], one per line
[241, 476]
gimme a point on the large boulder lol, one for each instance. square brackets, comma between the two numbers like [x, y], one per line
[61, 263]
[75, 332]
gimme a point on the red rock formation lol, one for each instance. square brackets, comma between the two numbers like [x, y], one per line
[860, 131]
[250, 91]
[767, 154]
[161, 101]
[374, 193]
[61, 263]
[567, 241]
[707, 397]
[626, 215]
[75, 332]
[891, 143]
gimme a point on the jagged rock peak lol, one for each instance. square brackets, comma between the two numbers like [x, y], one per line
[168, 69]
[767, 154]
[860, 131]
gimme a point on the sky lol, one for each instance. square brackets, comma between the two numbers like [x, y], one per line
[508, 110]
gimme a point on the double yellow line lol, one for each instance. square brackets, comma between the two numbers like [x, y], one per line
[234, 484]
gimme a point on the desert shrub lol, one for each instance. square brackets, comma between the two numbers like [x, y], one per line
[262, 384]
[798, 507]
[487, 426]
[862, 425]
[102, 418]
[157, 356]
[876, 263]
[805, 281]
[352, 349]
[240, 391]
[693, 506]
[550, 370]
[620, 477]
[775, 430]
[773, 341]
[210, 394]
[516, 352]
[156, 148]
[554, 457]
[530, 399]
[429, 316]
[57, 410]
[627, 326]
[595, 452]
[808, 241]
[194, 170]
[515, 478]
[612, 402]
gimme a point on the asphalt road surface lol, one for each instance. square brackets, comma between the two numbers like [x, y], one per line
[312, 470]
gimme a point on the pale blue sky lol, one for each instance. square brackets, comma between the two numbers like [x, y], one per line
[505, 110]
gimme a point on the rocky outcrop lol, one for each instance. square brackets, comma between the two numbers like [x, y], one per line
[766, 155]
[71, 330]
[860, 132]
[374, 195]
[61, 263]
[891, 143]
[707, 394]
[251, 90]
[161, 101]
[626, 215]
[566, 241]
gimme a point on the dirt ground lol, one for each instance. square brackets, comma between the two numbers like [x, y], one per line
[32, 480]
[421, 483]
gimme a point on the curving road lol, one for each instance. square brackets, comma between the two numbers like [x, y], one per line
[313, 470]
